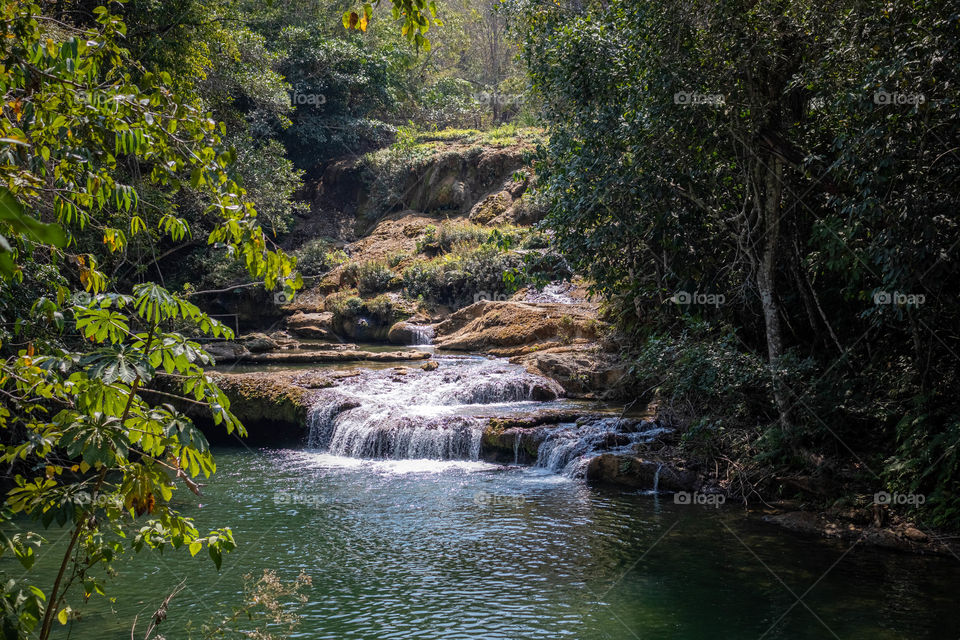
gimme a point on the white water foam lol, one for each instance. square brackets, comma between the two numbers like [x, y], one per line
[568, 448]
[421, 415]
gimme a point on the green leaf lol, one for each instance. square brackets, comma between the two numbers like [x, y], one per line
[12, 212]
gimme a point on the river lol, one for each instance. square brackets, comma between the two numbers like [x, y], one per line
[400, 546]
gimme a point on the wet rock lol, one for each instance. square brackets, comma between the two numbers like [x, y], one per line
[544, 392]
[225, 352]
[430, 365]
[284, 340]
[542, 417]
[405, 332]
[637, 473]
[259, 343]
[517, 444]
[270, 405]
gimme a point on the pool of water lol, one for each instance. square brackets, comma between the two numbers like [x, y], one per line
[470, 550]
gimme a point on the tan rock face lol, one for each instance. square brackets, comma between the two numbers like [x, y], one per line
[311, 325]
[507, 327]
[553, 340]
[582, 370]
[491, 207]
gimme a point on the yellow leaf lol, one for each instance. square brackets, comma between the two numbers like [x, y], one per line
[195, 548]
[62, 616]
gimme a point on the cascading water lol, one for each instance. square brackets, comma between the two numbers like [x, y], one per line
[421, 334]
[406, 413]
[410, 413]
[568, 448]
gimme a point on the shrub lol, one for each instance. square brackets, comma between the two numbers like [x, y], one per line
[395, 258]
[315, 257]
[457, 279]
[704, 376]
[369, 277]
[348, 307]
[463, 235]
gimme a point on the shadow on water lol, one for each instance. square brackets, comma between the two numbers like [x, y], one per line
[468, 549]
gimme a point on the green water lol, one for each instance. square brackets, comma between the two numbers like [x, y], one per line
[467, 550]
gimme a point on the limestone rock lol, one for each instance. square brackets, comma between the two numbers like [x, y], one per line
[226, 351]
[259, 343]
[637, 473]
[316, 326]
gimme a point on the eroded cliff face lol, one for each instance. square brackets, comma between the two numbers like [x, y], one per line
[484, 183]
[390, 212]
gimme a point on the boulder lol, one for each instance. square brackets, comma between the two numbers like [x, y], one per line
[637, 473]
[259, 343]
[491, 207]
[430, 365]
[582, 370]
[226, 351]
[407, 333]
[518, 444]
[271, 406]
[511, 328]
[316, 326]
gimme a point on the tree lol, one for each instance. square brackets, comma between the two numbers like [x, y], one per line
[87, 410]
[781, 156]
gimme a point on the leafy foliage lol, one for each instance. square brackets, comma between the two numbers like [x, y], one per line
[92, 413]
[795, 160]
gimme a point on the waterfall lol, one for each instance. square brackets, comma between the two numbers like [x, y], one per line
[407, 413]
[656, 479]
[422, 334]
[568, 448]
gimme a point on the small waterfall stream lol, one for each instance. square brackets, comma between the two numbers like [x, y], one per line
[422, 334]
[568, 448]
[408, 413]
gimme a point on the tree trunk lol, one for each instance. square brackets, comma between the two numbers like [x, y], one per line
[766, 281]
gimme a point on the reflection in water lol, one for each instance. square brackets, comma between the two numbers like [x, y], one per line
[470, 550]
